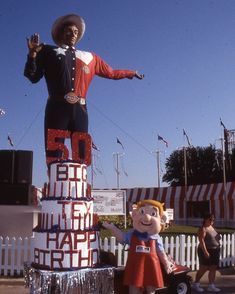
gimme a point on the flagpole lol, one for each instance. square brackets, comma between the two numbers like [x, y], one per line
[224, 170]
[157, 152]
[158, 167]
[92, 172]
[117, 168]
[185, 165]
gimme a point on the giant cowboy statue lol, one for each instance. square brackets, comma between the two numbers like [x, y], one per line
[68, 73]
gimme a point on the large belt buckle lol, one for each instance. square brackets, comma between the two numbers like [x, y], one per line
[71, 98]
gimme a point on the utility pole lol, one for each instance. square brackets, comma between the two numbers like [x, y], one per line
[92, 172]
[185, 167]
[116, 156]
[224, 180]
[185, 177]
[157, 152]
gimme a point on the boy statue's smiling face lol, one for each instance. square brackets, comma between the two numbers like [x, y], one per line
[147, 219]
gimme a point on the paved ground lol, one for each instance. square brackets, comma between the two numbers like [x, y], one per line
[12, 286]
[225, 279]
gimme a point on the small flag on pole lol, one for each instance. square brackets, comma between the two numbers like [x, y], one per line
[95, 147]
[119, 142]
[2, 112]
[226, 131]
[187, 138]
[160, 138]
[222, 124]
[10, 140]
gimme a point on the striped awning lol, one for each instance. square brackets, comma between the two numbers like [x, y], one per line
[176, 197]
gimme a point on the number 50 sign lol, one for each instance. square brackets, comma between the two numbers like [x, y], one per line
[55, 142]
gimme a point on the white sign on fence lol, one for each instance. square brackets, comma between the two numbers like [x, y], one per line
[170, 212]
[109, 202]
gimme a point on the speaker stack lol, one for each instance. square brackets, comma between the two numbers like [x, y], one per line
[15, 176]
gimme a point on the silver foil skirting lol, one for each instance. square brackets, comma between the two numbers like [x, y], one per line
[82, 281]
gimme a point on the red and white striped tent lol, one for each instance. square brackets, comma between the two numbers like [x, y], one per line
[221, 201]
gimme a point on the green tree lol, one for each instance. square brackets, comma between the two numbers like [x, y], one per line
[203, 166]
[230, 166]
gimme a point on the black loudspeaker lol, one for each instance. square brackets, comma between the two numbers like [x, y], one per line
[7, 158]
[23, 167]
[14, 194]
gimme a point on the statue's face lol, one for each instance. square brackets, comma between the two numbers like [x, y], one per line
[147, 219]
[69, 35]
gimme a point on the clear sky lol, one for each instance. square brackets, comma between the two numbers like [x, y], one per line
[186, 49]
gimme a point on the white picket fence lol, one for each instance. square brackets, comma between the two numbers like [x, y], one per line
[182, 248]
[13, 253]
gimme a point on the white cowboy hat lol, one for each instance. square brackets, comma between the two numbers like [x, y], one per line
[70, 18]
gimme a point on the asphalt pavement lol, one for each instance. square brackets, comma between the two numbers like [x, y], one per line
[225, 280]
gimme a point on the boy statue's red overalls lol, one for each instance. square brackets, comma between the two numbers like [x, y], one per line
[143, 270]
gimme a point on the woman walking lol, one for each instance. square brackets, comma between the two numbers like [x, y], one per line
[208, 254]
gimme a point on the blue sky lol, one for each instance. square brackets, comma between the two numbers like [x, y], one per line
[186, 49]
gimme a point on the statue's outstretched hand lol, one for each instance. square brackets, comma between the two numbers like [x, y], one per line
[115, 231]
[34, 45]
[139, 76]
[108, 226]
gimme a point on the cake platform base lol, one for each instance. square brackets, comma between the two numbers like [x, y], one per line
[82, 281]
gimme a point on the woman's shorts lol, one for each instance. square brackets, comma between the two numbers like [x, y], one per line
[212, 260]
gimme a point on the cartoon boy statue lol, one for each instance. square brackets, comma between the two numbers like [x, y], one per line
[143, 270]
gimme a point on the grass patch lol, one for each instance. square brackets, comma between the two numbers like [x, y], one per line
[172, 230]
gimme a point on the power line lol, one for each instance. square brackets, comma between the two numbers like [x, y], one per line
[121, 129]
[29, 127]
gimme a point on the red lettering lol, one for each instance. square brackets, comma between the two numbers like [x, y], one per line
[82, 257]
[67, 239]
[83, 194]
[57, 256]
[52, 220]
[88, 191]
[40, 256]
[54, 145]
[76, 137]
[71, 253]
[84, 174]
[75, 177]
[63, 203]
[51, 239]
[86, 139]
[44, 253]
[76, 208]
[78, 238]
[88, 206]
[62, 172]
[95, 219]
